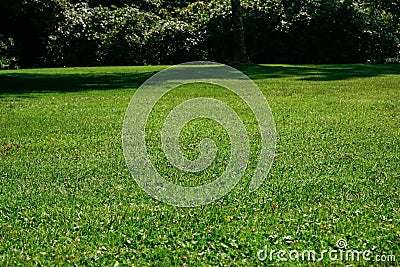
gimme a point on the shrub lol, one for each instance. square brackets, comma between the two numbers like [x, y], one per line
[119, 36]
[7, 58]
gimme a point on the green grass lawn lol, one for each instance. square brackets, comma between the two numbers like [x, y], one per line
[67, 197]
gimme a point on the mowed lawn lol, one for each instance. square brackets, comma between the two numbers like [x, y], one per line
[67, 197]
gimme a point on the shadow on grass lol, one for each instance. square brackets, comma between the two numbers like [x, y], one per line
[319, 72]
[20, 82]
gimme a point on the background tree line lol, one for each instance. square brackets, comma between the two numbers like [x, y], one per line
[132, 32]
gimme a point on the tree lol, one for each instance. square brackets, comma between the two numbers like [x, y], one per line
[240, 54]
[28, 23]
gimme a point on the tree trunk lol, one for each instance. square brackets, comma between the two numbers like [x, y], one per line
[240, 54]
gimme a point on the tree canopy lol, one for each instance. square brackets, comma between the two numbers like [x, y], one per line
[133, 32]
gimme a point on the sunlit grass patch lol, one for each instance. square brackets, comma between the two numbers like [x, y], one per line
[67, 197]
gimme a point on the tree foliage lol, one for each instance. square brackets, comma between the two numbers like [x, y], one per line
[7, 58]
[131, 32]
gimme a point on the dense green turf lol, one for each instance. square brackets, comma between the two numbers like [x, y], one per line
[67, 197]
